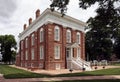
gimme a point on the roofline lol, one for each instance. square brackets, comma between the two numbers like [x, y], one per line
[53, 13]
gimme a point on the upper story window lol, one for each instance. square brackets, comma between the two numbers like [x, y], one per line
[21, 45]
[32, 39]
[78, 38]
[68, 36]
[41, 35]
[57, 52]
[57, 33]
[26, 42]
[41, 52]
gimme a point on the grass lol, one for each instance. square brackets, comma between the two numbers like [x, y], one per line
[11, 72]
[111, 71]
[90, 81]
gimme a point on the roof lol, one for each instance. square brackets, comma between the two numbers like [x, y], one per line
[53, 17]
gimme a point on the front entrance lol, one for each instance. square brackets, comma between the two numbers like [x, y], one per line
[72, 52]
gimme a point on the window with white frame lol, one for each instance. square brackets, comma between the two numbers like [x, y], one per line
[26, 55]
[41, 65]
[22, 55]
[57, 52]
[41, 35]
[78, 52]
[68, 36]
[26, 42]
[21, 45]
[32, 39]
[57, 66]
[78, 38]
[32, 54]
[57, 33]
[41, 52]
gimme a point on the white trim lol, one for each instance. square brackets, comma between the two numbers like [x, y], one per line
[55, 17]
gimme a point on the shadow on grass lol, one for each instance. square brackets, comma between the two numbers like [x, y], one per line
[111, 80]
[23, 75]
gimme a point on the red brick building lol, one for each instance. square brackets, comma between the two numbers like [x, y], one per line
[52, 42]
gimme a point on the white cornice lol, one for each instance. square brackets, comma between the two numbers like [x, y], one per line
[47, 16]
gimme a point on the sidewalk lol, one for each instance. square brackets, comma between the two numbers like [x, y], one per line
[61, 78]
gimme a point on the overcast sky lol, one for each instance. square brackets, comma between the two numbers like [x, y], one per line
[15, 13]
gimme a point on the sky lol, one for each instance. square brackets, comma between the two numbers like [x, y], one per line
[15, 13]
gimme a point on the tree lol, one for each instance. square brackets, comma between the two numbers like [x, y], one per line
[7, 43]
[117, 46]
[103, 28]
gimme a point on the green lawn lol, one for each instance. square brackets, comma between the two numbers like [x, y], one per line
[90, 81]
[11, 72]
[111, 71]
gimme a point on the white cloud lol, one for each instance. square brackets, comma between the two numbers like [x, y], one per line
[18, 12]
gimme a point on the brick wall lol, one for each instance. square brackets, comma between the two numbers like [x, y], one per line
[49, 62]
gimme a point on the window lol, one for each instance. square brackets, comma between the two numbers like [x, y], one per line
[21, 45]
[68, 36]
[32, 39]
[41, 65]
[57, 33]
[41, 35]
[78, 52]
[26, 42]
[57, 52]
[21, 55]
[41, 52]
[78, 38]
[26, 55]
[32, 53]
[57, 65]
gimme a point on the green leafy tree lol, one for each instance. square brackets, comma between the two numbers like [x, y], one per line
[7, 43]
[117, 46]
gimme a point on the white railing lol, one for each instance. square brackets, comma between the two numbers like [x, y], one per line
[81, 63]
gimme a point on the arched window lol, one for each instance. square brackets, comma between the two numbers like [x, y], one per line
[78, 38]
[21, 45]
[41, 35]
[57, 33]
[68, 36]
[26, 42]
[32, 39]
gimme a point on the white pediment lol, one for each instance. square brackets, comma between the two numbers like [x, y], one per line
[73, 45]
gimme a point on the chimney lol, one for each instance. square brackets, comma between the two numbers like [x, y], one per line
[30, 21]
[25, 26]
[37, 13]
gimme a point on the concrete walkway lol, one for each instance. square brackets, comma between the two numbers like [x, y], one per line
[61, 78]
